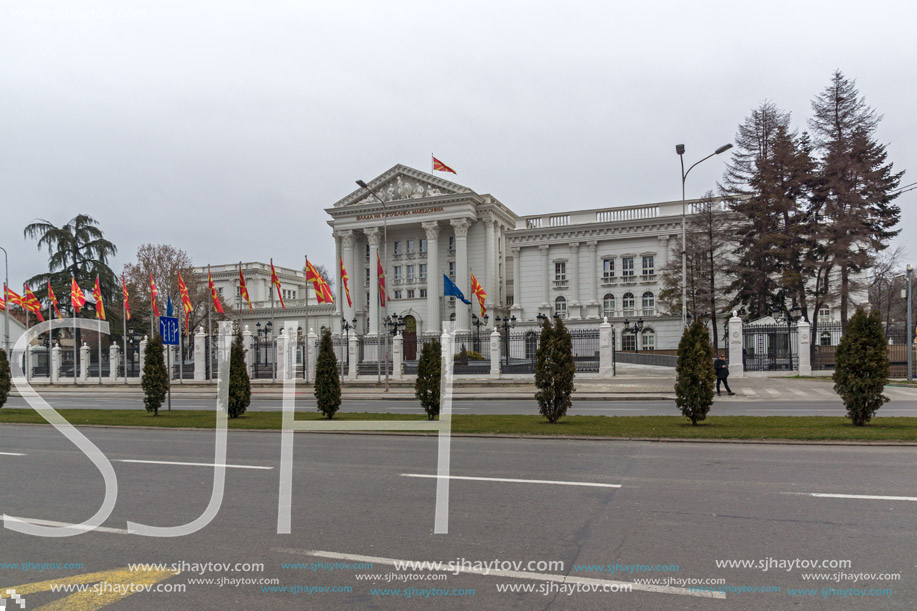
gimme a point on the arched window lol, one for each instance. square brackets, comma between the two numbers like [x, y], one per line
[649, 304]
[608, 305]
[647, 339]
[628, 303]
[560, 307]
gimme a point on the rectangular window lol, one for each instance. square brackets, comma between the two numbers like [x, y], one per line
[398, 294]
[452, 243]
[627, 267]
[560, 271]
[397, 273]
[423, 246]
[608, 268]
[397, 247]
[220, 291]
[452, 269]
[423, 293]
[410, 272]
[294, 294]
[649, 266]
[367, 275]
[410, 293]
[410, 246]
[423, 271]
[367, 250]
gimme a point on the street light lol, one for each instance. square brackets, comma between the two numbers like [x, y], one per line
[680, 150]
[6, 309]
[506, 323]
[636, 328]
[478, 323]
[346, 327]
[910, 330]
[384, 310]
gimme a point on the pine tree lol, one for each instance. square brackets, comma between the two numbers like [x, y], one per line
[5, 377]
[327, 383]
[856, 185]
[155, 381]
[861, 370]
[240, 387]
[694, 374]
[429, 372]
[554, 370]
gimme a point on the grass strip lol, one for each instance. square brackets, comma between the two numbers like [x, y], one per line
[813, 428]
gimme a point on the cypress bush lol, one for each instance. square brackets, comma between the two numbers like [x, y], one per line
[155, 381]
[554, 370]
[240, 387]
[694, 374]
[327, 387]
[5, 377]
[427, 385]
[861, 369]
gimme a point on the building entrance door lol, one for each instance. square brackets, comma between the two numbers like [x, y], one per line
[410, 338]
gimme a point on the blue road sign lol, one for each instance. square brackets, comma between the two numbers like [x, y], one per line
[168, 330]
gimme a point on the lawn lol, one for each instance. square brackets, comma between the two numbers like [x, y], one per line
[649, 427]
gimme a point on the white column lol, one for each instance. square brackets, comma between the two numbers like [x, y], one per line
[460, 226]
[545, 276]
[517, 281]
[596, 272]
[313, 354]
[397, 357]
[248, 342]
[55, 363]
[574, 273]
[373, 235]
[352, 351]
[340, 302]
[433, 320]
[663, 251]
[490, 286]
[495, 354]
[606, 365]
[805, 341]
[84, 362]
[501, 265]
[357, 277]
[142, 351]
[736, 368]
[200, 355]
[280, 354]
[352, 273]
[28, 362]
[114, 362]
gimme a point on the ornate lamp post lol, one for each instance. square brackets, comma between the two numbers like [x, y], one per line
[636, 328]
[346, 327]
[478, 323]
[506, 323]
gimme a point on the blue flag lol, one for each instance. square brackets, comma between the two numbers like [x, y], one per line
[451, 290]
[169, 308]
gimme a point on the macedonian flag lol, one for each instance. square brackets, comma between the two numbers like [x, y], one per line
[77, 298]
[344, 280]
[478, 290]
[322, 290]
[30, 302]
[441, 167]
[276, 282]
[97, 295]
[127, 303]
[153, 294]
[380, 271]
[53, 299]
[243, 291]
[213, 293]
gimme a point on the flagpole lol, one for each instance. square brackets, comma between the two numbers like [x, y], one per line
[273, 344]
[209, 341]
[28, 372]
[305, 356]
[99, 322]
[50, 336]
[74, 328]
[181, 347]
[124, 327]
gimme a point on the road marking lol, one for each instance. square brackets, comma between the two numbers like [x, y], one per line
[749, 392]
[823, 392]
[865, 497]
[11, 454]
[513, 574]
[772, 392]
[513, 481]
[116, 586]
[190, 464]
[798, 393]
[39, 522]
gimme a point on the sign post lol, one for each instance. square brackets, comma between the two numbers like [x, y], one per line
[170, 334]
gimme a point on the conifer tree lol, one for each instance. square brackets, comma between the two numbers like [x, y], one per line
[429, 372]
[327, 388]
[155, 381]
[554, 370]
[240, 387]
[5, 377]
[694, 374]
[861, 369]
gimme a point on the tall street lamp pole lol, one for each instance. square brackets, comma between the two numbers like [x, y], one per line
[910, 329]
[680, 149]
[383, 311]
[6, 308]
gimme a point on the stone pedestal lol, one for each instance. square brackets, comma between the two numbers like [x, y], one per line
[55, 363]
[248, 342]
[397, 357]
[280, 354]
[352, 355]
[28, 362]
[805, 348]
[84, 363]
[200, 355]
[114, 362]
[495, 355]
[736, 366]
[311, 339]
[606, 353]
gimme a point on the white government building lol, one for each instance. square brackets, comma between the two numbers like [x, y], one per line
[583, 265]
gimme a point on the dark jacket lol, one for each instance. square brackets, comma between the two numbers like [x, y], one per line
[721, 368]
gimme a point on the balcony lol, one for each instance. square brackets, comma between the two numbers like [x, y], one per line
[648, 278]
[649, 311]
[629, 279]
[561, 283]
[609, 280]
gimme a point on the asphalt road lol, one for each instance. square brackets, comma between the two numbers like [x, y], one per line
[739, 406]
[678, 504]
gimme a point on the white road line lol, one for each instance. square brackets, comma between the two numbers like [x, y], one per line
[191, 464]
[798, 393]
[865, 497]
[11, 454]
[826, 393]
[101, 529]
[772, 392]
[749, 392]
[514, 481]
[512, 574]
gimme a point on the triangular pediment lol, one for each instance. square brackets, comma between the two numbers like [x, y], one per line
[402, 183]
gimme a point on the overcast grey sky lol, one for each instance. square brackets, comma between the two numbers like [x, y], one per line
[225, 128]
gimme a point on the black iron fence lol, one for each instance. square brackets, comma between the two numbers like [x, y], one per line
[770, 348]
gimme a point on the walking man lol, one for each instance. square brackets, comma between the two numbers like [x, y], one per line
[722, 373]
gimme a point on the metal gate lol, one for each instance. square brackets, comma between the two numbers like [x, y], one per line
[770, 348]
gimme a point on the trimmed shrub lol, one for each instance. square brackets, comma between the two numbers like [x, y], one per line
[554, 371]
[694, 374]
[429, 370]
[155, 381]
[327, 383]
[240, 387]
[861, 369]
[5, 377]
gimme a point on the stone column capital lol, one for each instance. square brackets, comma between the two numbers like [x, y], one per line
[460, 226]
[432, 228]
[544, 249]
[592, 244]
[346, 237]
[574, 247]
[373, 234]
